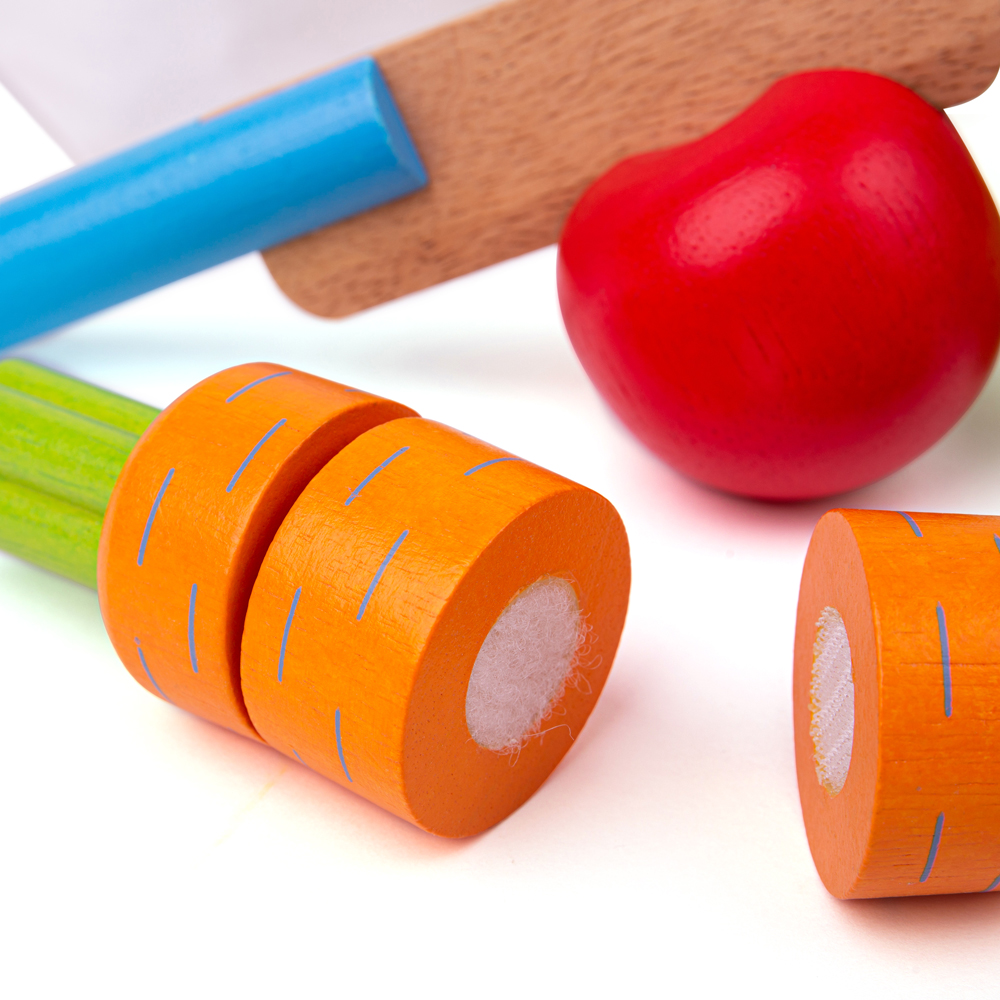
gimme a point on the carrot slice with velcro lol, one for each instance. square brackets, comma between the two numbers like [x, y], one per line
[897, 702]
[383, 590]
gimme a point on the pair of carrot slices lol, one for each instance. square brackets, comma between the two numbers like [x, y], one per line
[319, 568]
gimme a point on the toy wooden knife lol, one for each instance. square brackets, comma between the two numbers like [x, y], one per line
[514, 110]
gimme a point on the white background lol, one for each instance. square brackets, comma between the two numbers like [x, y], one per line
[100, 75]
[148, 854]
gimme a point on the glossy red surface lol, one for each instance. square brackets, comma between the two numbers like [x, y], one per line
[800, 302]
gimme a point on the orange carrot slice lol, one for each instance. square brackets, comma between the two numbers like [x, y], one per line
[374, 601]
[192, 514]
[897, 702]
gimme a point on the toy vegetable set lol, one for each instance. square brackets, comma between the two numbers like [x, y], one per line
[785, 283]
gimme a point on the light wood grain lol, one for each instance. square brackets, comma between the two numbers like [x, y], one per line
[518, 108]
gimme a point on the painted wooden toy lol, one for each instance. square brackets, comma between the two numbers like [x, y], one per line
[518, 108]
[241, 180]
[799, 303]
[897, 702]
[419, 616]
[515, 110]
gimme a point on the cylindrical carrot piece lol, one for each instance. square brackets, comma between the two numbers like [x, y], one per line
[433, 624]
[434, 619]
[897, 702]
[191, 516]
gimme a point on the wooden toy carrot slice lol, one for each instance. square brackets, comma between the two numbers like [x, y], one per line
[897, 702]
[447, 612]
[193, 512]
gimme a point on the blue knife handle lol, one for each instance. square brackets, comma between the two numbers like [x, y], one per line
[242, 180]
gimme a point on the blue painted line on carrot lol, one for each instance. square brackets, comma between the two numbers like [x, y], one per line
[191, 650]
[371, 475]
[251, 385]
[378, 573]
[935, 844]
[152, 516]
[996, 538]
[913, 524]
[294, 751]
[288, 628]
[253, 451]
[152, 679]
[992, 884]
[340, 746]
[945, 659]
[492, 461]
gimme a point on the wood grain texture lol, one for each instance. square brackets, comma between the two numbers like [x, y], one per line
[518, 108]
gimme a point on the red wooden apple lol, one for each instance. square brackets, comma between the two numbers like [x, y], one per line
[800, 302]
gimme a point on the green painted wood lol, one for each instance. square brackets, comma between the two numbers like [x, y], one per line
[59, 452]
[79, 397]
[42, 529]
[63, 444]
